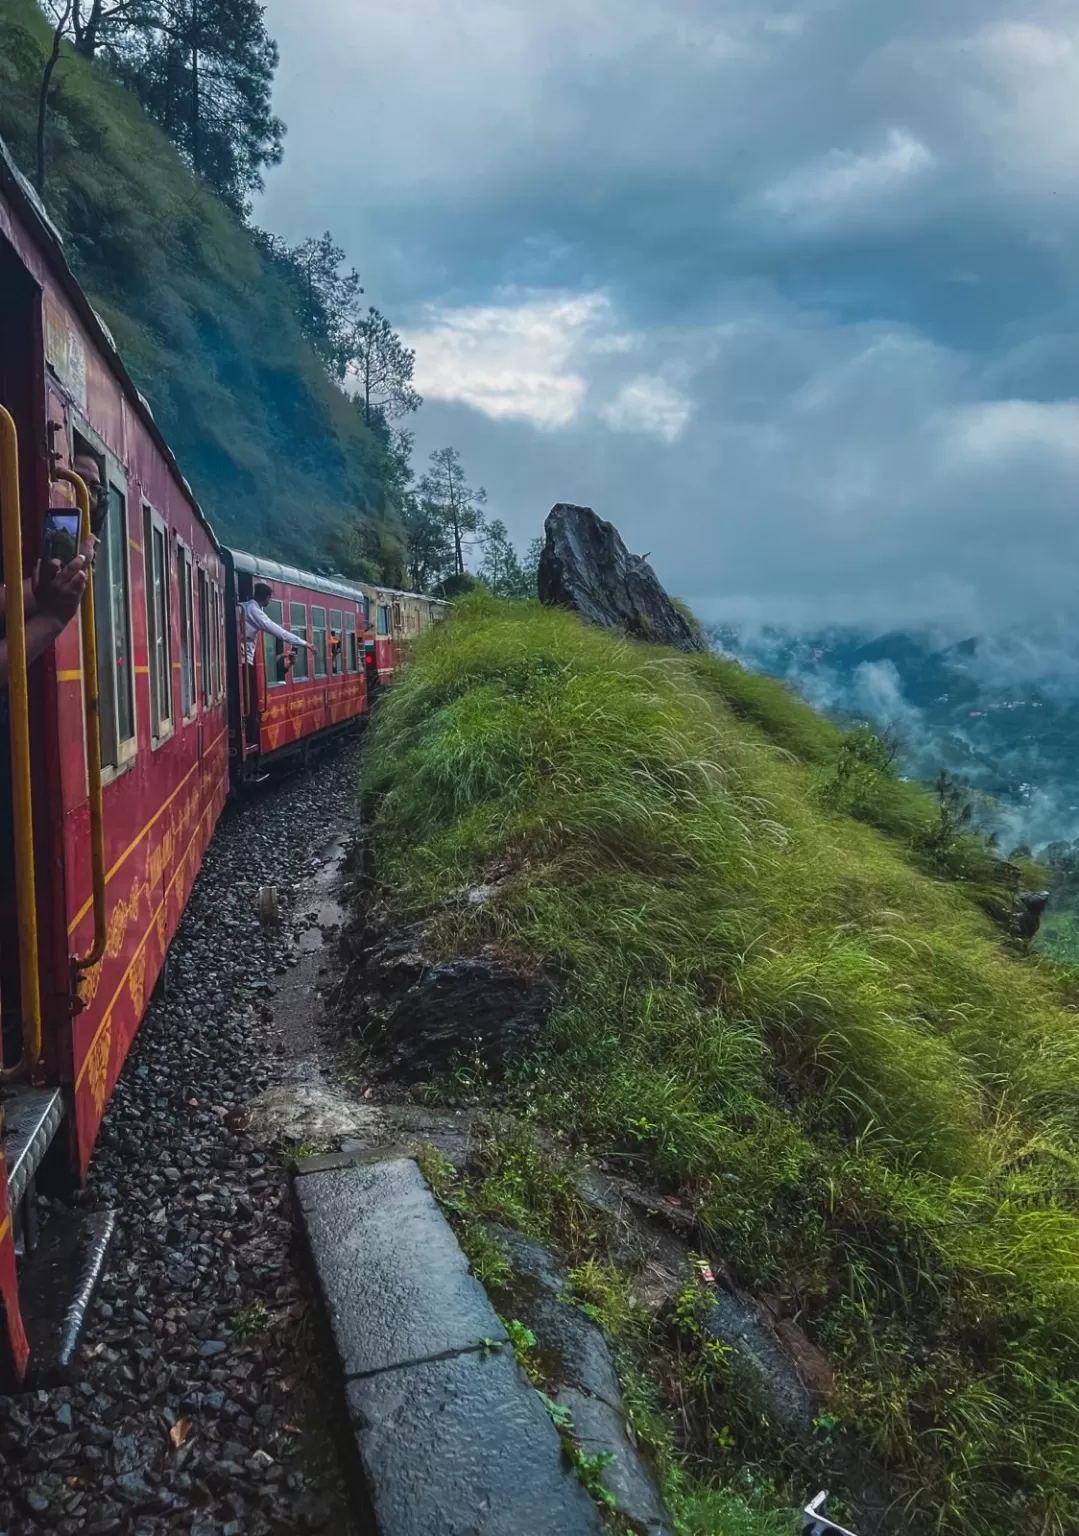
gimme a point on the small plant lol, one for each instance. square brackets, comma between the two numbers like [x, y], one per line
[525, 1348]
[250, 1320]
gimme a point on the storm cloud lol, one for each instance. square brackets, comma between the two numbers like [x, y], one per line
[789, 292]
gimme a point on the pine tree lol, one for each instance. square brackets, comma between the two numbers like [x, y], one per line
[325, 298]
[449, 499]
[382, 366]
[204, 70]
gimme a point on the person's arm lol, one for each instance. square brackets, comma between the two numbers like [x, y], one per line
[41, 631]
[263, 621]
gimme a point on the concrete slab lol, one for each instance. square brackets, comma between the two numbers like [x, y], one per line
[600, 1430]
[397, 1286]
[464, 1447]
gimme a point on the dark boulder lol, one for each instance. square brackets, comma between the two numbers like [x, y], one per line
[472, 1007]
[1032, 905]
[586, 566]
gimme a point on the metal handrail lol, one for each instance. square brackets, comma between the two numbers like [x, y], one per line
[19, 714]
[92, 711]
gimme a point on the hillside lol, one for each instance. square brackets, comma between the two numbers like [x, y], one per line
[276, 454]
[783, 1002]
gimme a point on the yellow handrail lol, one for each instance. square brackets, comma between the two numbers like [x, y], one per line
[92, 710]
[19, 707]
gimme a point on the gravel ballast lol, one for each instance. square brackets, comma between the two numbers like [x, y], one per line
[200, 1404]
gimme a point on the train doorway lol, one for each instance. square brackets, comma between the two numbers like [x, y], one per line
[20, 311]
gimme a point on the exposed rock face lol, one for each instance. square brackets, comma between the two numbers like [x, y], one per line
[585, 566]
[1032, 905]
[473, 1007]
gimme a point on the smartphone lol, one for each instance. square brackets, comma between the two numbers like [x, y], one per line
[61, 536]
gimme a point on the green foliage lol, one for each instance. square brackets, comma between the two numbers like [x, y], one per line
[277, 455]
[501, 567]
[801, 1021]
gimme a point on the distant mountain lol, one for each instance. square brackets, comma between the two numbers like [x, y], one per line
[1001, 713]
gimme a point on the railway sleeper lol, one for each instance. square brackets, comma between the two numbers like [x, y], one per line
[60, 1263]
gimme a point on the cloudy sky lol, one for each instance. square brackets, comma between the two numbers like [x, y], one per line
[789, 292]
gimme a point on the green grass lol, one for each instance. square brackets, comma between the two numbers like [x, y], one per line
[870, 1096]
[274, 451]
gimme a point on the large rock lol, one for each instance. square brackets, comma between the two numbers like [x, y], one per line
[585, 566]
[472, 1007]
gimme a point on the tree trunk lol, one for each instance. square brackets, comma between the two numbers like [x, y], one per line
[86, 37]
[195, 103]
[43, 96]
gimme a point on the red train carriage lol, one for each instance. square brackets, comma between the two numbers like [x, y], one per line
[393, 619]
[291, 696]
[110, 802]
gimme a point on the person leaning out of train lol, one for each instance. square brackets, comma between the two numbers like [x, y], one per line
[51, 599]
[256, 619]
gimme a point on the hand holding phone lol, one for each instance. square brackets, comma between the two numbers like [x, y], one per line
[61, 540]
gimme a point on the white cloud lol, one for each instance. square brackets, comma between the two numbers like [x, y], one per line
[515, 359]
[842, 178]
[648, 404]
[999, 429]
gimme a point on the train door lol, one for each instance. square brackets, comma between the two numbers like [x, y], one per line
[30, 809]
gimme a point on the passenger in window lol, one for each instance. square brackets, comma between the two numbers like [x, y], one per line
[88, 469]
[51, 600]
[335, 651]
[256, 621]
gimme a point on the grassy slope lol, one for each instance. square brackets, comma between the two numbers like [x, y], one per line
[870, 1098]
[273, 451]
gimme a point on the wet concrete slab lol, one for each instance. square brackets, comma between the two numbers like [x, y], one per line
[464, 1447]
[396, 1284]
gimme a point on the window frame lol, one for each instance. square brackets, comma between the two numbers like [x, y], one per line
[382, 620]
[352, 664]
[299, 629]
[273, 649]
[162, 728]
[186, 612]
[320, 650]
[337, 629]
[115, 478]
[202, 586]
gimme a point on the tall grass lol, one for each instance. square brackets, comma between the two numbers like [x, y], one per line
[871, 1099]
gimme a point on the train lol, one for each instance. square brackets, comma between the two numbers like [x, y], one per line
[126, 738]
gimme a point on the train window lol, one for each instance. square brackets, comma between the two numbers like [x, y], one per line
[112, 609]
[204, 639]
[273, 650]
[297, 622]
[187, 630]
[318, 639]
[215, 639]
[155, 553]
[335, 640]
[383, 619]
[352, 655]
[367, 613]
[397, 616]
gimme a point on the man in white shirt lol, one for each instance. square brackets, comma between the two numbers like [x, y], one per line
[256, 621]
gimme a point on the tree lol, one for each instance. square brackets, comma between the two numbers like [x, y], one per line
[430, 545]
[530, 566]
[383, 366]
[106, 23]
[452, 501]
[204, 70]
[61, 15]
[324, 297]
[500, 567]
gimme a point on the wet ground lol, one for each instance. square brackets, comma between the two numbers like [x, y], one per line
[200, 1405]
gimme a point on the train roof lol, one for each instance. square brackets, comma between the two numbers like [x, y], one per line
[333, 586]
[32, 210]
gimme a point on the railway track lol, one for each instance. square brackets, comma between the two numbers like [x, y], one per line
[198, 1404]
